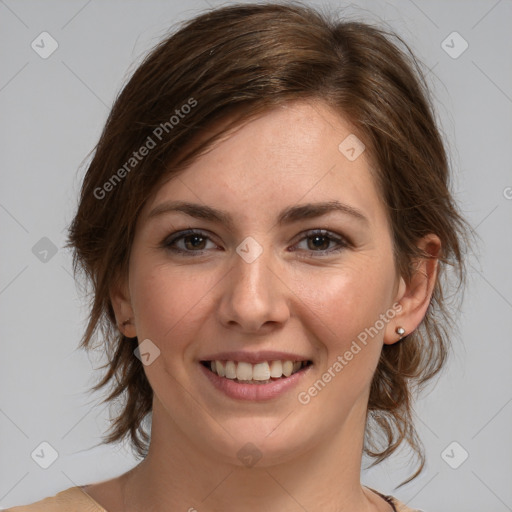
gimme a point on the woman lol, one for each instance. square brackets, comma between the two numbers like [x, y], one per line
[266, 223]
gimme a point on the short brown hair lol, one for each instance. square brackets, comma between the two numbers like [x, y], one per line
[246, 59]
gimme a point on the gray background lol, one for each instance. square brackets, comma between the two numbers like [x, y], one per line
[52, 111]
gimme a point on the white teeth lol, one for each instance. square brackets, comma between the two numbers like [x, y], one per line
[260, 371]
[287, 368]
[244, 371]
[221, 370]
[276, 369]
[230, 369]
[263, 371]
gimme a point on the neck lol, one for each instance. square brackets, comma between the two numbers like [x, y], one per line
[177, 475]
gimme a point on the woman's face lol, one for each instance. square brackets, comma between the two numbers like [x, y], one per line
[258, 283]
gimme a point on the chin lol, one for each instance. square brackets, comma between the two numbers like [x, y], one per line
[261, 442]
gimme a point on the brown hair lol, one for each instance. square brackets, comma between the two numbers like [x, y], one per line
[233, 63]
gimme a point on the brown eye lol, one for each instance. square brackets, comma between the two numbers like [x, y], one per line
[320, 242]
[194, 242]
[188, 242]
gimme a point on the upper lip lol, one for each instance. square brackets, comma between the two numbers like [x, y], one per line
[255, 357]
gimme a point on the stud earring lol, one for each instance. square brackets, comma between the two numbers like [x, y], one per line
[127, 322]
[400, 331]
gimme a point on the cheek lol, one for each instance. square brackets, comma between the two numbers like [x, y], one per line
[169, 302]
[348, 306]
[169, 307]
[348, 332]
[350, 298]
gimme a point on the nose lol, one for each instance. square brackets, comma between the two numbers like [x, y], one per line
[255, 297]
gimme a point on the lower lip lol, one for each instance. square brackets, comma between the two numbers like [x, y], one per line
[254, 392]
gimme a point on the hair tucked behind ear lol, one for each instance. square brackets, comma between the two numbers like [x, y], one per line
[246, 59]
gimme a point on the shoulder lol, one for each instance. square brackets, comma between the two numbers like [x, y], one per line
[397, 505]
[71, 499]
[401, 507]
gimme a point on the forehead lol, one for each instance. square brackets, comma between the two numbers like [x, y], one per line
[298, 151]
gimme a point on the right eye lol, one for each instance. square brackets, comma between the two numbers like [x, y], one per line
[193, 242]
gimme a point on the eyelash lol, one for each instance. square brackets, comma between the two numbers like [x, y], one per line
[169, 242]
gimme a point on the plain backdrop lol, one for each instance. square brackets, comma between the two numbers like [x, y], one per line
[52, 112]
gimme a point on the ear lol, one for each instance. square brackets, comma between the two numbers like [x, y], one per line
[121, 303]
[414, 297]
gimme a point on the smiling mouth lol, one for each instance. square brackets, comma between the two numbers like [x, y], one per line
[260, 373]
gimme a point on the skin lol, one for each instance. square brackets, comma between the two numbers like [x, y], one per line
[299, 301]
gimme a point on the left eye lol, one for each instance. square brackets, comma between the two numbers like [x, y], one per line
[320, 241]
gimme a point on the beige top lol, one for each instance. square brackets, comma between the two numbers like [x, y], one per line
[76, 500]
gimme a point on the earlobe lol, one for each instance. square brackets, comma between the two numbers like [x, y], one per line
[415, 296]
[121, 303]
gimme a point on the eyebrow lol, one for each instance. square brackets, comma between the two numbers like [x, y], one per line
[287, 216]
